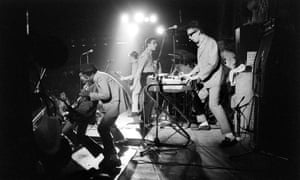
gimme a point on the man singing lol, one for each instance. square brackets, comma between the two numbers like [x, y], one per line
[209, 71]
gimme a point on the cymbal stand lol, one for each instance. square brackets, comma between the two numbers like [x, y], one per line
[174, 50]
[255, 150]
[239, 114]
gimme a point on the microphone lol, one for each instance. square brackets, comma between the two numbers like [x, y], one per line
[172, 27]
[87, 52]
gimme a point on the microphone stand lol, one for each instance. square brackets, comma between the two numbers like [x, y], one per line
[80, 63]
[107, 66]
[173, 49]
[238, 111]
[87, 58]
[80, 84]
[37, 86]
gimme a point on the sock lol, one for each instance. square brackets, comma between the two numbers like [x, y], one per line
[230, 136]
[201, 118]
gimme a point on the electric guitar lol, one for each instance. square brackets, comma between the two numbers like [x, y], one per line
[84, 109]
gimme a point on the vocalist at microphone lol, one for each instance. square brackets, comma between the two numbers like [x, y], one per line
[87, 52]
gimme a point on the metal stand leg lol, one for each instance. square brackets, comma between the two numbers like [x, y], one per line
[153, 146]
[255, 150]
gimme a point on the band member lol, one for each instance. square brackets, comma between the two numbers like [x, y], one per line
[228, 59]
[146, 67]
[109, 92]
[62, 108]
[137, 88]
[227, 55]
[209, 71]
[80, 114]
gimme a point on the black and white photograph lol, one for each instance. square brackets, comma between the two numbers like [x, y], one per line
[149, 89]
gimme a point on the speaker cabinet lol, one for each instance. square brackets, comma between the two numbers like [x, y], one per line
[271, 93]
[247, 38]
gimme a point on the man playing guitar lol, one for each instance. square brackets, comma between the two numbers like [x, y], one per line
[209, 71]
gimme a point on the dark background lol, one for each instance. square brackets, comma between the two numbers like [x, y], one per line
[57, 25]
[93, 24]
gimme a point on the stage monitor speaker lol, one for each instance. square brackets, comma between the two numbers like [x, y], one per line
[270, 112]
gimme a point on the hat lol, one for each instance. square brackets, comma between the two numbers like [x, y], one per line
[88, 69]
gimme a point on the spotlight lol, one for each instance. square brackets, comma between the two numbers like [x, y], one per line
[153, 18]
[124, 18]
[160, 30]
[146, 19]
[133, 29]
[139, 17]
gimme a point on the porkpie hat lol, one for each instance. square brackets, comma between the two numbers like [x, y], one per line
[88, 69]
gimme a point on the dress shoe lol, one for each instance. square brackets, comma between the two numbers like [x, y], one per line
[228, 142]
[109, 162]
[204, 126]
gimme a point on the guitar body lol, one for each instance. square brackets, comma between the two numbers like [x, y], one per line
[83, 110]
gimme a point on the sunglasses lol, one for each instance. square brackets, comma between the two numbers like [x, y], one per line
[192, 33]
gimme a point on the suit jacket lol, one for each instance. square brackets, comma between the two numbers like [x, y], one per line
[208, 65]
[109, 91]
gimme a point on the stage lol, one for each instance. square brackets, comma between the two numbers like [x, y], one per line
[203, 158]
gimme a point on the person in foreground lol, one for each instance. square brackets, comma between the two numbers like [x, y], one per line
[209, 72]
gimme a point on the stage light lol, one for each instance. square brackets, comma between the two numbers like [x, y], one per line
[146, 19]
[139, 17]
[132, 29]
[160, 30]
[153, 18]
[124, 18]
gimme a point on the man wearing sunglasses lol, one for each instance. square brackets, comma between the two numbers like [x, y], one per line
[209, 72]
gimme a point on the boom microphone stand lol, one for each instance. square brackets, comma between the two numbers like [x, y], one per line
[173, 48]
[87, 61]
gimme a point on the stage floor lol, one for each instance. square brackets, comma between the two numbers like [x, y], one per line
[203, 158]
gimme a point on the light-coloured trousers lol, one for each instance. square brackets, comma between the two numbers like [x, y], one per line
[217, 109]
